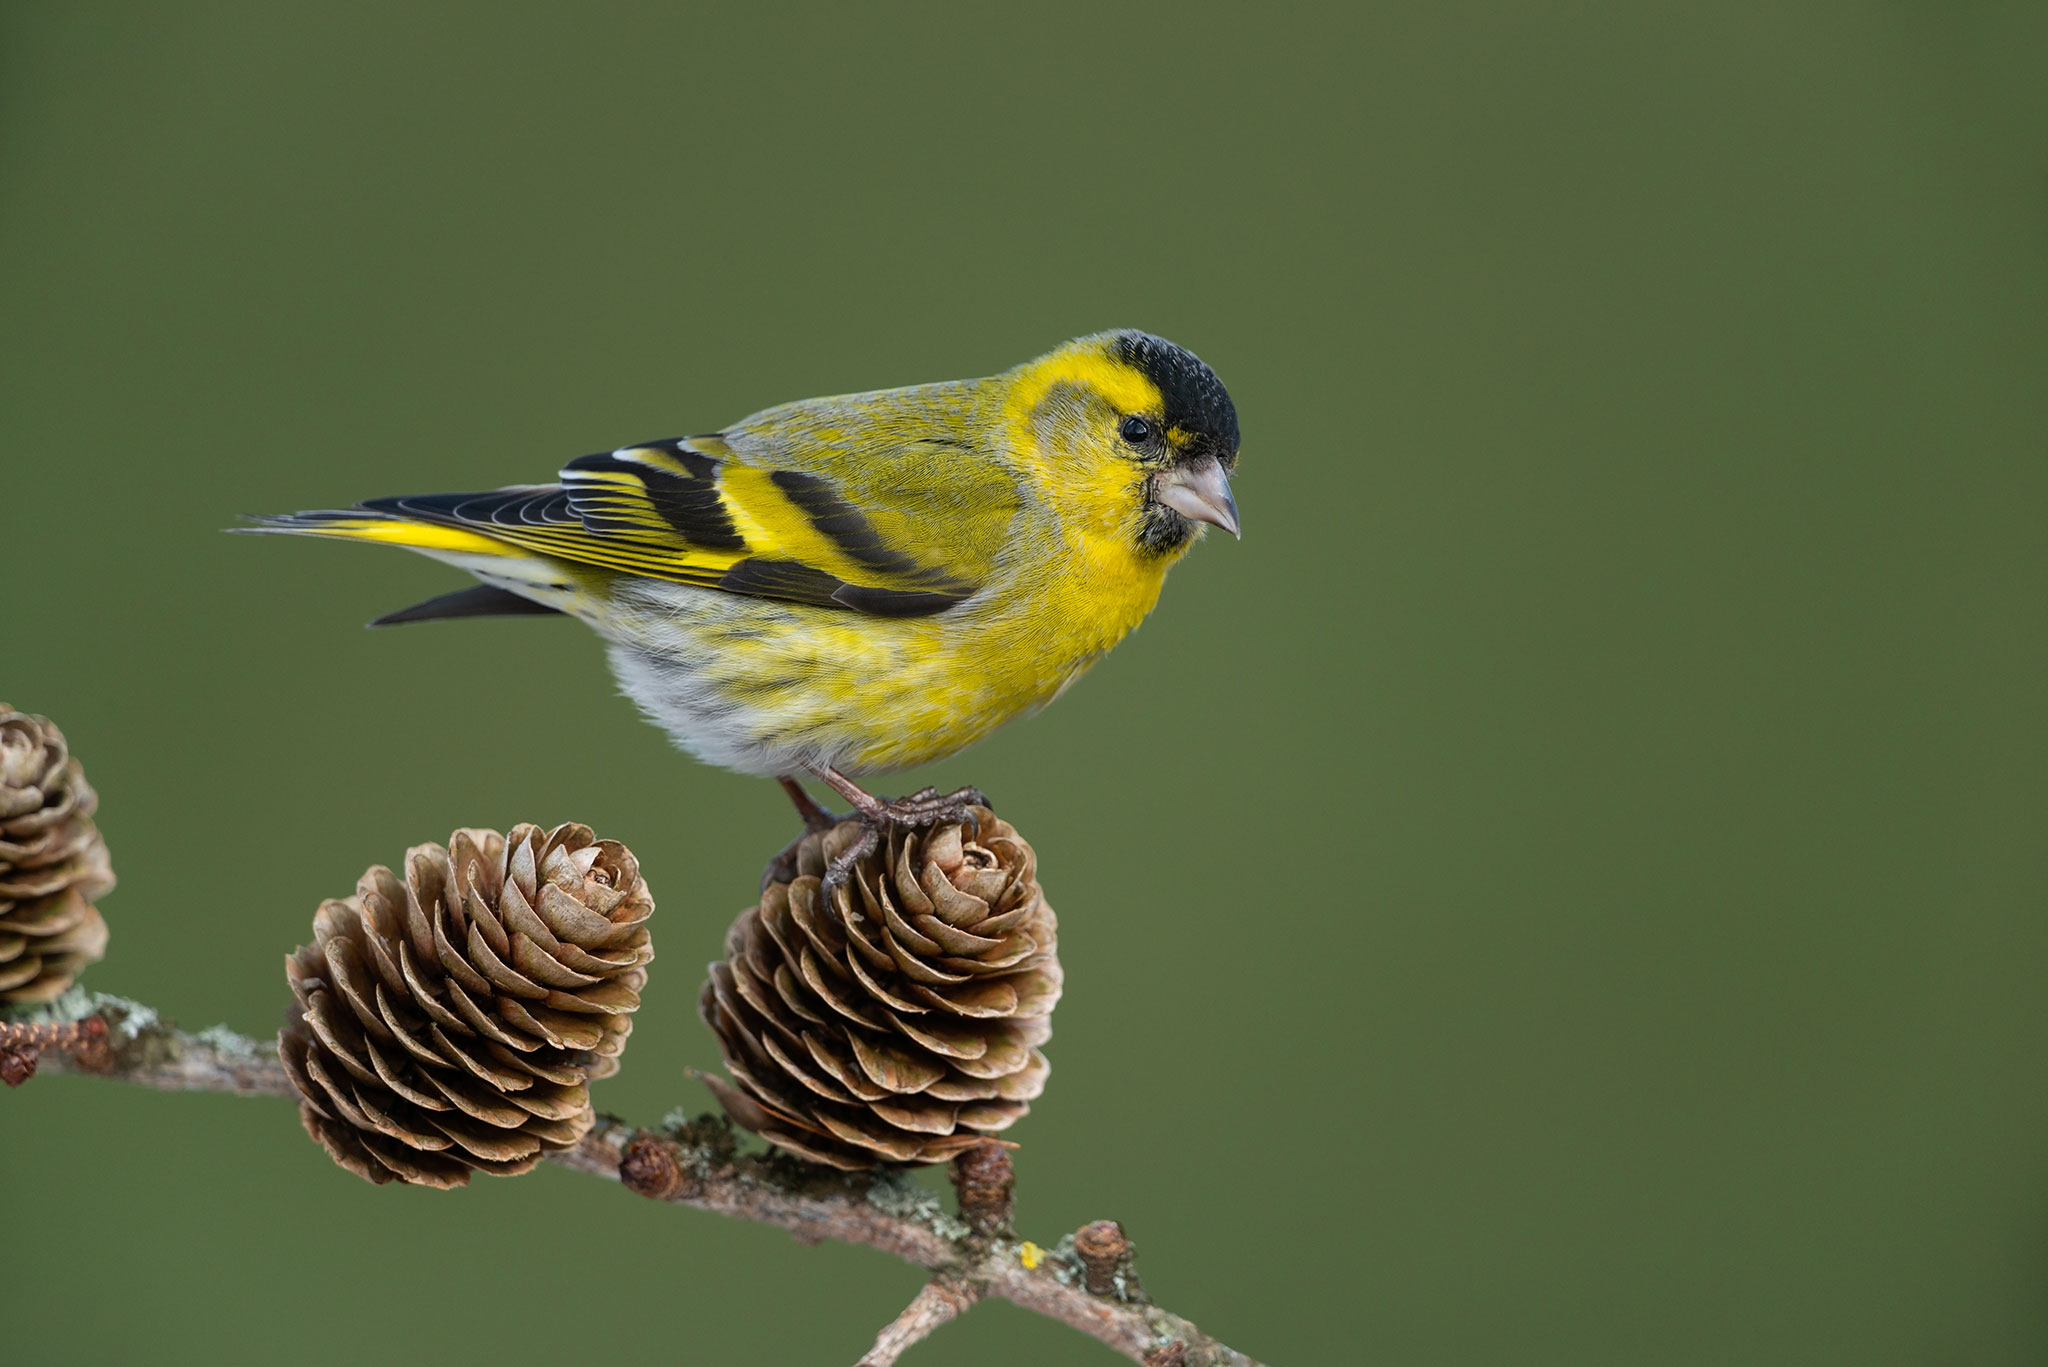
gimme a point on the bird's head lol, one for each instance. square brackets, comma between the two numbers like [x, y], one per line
[1136, 436]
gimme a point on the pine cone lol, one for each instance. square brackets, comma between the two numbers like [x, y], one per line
[453, 1020]
[53, 863]
[905, 1031]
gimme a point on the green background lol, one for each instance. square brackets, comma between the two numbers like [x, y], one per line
[1566, 888]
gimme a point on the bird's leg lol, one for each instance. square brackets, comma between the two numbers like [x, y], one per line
[782, 868]
[925, 807]
[816, 818]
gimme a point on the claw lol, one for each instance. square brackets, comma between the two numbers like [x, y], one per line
[839, 869]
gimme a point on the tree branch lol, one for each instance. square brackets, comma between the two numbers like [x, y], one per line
[699, 1163]
[935, 1304]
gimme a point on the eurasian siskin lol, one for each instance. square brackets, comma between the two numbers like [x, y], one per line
[858, 584]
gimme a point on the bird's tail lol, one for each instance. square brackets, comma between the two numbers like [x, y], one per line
[365, 523]
[512, 585]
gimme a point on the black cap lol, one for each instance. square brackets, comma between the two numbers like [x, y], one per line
[1196, 401]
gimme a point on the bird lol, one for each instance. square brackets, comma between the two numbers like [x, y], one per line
[846, 586]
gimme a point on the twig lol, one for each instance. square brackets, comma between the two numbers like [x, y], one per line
[934, 1305]
[22, 1046]
[698, 1163]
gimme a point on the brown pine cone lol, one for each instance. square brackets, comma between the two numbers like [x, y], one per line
[53, 863]
[899, 1024]
[453, 1020]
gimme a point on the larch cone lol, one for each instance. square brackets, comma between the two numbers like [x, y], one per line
[900, 1021]
[53, 863]
[451, 1021]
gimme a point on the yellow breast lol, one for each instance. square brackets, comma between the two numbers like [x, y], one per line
[947, 682]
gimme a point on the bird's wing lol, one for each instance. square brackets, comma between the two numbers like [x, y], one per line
[909, 543]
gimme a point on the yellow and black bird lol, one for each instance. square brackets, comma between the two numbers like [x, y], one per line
[853, 585]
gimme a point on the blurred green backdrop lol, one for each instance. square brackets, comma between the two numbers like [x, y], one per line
[1567, 888]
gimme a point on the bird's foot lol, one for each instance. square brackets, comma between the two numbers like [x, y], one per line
[925, 808]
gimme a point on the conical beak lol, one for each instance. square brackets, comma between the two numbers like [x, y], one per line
[1200, 490]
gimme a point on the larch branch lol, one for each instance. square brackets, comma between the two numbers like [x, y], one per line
[936, 1303]
[700, 1164]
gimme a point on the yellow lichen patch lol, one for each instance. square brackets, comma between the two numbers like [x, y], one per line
[1031, 1255]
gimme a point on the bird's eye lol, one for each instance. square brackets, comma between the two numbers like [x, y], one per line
[1135, 430]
